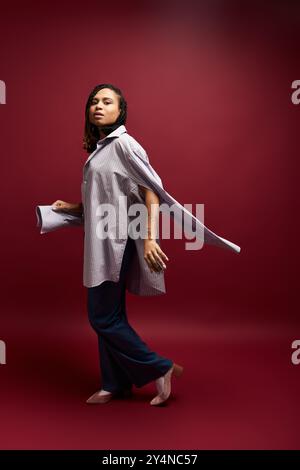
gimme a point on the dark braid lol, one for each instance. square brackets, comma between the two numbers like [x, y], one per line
[91, 132]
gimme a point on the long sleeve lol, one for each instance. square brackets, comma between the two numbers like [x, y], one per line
[50, 220]
[140, 170]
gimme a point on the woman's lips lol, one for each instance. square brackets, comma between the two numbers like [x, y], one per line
[98, 115]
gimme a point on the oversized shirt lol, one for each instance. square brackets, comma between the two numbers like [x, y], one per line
[117, 167]
[109, 176]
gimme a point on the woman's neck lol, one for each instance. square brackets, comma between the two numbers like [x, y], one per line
[101, 134]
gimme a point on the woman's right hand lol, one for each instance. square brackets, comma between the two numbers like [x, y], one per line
[62, 206]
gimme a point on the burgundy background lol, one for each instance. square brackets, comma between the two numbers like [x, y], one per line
[208, 86]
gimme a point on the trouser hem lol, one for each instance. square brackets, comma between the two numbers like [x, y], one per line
[153, 377]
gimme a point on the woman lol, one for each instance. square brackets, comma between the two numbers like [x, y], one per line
[112, 264]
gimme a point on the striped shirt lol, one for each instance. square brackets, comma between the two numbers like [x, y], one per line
[107, 176]
[116, 168]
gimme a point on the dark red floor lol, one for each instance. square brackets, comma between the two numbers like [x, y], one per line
[239, 389]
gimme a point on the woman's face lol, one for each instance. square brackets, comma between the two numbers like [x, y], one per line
[104, 109]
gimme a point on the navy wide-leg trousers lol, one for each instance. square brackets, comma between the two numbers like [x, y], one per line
[125, 359]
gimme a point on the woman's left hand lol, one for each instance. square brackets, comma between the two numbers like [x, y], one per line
[154, 256]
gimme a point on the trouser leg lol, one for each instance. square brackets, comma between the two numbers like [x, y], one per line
[113, 377]
[124, 357]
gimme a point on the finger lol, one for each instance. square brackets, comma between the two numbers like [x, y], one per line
[149, 264]
[161, 253]
[60, 206]
[154, 263]
[159, 261]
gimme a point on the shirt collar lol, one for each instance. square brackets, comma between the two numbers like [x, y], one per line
[116, 133]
